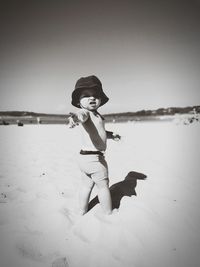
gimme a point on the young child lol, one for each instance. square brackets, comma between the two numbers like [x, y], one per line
[88, 96]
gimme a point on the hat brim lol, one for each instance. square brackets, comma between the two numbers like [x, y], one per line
[76, 95]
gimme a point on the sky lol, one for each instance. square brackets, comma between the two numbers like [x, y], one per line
[146, 53]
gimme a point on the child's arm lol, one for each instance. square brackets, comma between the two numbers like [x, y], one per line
[113, 136]
[79, 117]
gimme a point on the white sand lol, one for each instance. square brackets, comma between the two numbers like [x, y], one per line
[39, 180]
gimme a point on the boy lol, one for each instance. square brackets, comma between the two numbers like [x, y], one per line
[88, 96]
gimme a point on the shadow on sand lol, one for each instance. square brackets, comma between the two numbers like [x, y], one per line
[121, 189]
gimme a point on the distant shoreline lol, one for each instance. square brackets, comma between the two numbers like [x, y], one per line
[162, 114]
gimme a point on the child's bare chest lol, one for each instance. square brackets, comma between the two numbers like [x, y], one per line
[94, 134]
[97, 120]
[95, 125]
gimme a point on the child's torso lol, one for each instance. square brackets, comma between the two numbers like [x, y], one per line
[94, 133]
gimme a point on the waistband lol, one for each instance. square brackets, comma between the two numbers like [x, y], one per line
[86, 152]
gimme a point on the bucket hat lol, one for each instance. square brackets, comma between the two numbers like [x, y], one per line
[86, 83]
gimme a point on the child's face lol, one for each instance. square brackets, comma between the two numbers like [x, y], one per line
[90, 99]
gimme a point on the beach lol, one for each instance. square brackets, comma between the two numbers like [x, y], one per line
[154, 179]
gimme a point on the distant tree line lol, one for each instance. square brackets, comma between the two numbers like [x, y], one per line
[153, 113]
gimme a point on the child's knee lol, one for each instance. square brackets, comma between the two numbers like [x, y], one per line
[88, 184]
[87, 181]
[103, 183]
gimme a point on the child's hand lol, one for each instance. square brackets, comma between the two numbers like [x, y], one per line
[116, 137]
[73, 120]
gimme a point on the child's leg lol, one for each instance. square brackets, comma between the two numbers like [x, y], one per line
[104, 195]
[84, 193]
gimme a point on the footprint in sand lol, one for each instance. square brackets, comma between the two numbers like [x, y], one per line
[61, 262]
[71, 215]
[29, 251]
[3, 198]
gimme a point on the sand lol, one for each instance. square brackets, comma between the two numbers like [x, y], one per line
[154, 179]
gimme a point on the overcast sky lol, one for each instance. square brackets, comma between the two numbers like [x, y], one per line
[146, 53]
